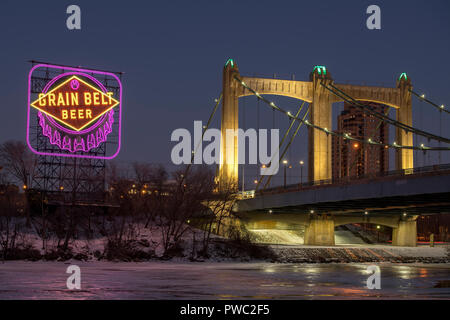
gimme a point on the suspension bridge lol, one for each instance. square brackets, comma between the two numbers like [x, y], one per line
[392, 198]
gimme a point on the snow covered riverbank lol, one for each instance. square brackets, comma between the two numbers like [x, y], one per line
[146, 244]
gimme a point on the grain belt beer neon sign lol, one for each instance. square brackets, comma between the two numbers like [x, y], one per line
[75, 111]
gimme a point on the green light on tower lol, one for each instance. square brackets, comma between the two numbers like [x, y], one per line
[403, 75]
[320, 69]
[230, 61]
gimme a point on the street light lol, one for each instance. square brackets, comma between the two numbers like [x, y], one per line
[285, 162]
[301, 171]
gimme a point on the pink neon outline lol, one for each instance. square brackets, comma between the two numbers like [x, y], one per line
[73, 155]
[69, 131]
[109, 114]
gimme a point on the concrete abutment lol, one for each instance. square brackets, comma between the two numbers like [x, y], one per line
[405, 235]
[320, 232]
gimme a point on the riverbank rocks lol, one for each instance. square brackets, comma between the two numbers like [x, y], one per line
[347, 255]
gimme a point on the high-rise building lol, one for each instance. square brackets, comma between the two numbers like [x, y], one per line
[355, 159]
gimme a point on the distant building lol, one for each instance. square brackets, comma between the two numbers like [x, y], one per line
[437, 224]
[354, 159]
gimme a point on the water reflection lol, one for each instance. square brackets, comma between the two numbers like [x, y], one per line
[168, 280]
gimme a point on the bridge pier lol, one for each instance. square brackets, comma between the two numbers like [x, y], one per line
[320, 231]
[405, 235]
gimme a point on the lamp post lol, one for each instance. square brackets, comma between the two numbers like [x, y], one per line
[301, 171]
[285, 162]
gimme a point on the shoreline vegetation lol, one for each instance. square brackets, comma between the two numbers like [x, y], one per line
[145, 245]
[147, 213]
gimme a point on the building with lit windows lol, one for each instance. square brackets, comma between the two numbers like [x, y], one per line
[354, 159]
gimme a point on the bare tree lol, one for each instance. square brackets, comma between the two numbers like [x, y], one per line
[9, 217]
[18, 161]
[142, 172]
[219, 219]
[183, 202]
[154, 193]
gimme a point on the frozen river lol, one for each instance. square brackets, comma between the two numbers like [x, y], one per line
[171, 280]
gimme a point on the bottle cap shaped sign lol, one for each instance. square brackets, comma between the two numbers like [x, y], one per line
[75, 111]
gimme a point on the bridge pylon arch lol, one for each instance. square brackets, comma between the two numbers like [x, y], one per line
[321, 100]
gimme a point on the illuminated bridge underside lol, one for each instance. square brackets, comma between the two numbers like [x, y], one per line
[385, 200]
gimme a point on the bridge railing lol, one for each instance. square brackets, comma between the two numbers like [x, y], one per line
[351, 179]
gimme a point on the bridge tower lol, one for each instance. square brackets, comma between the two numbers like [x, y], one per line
[228, 168]
[404, 157]
[319, 142]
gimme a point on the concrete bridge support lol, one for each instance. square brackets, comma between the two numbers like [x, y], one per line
[320, 232]
[405, 235]
[228, 169]
[320, 144]
[404, 157]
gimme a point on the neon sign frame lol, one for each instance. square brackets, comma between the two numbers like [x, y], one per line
[74, 84]
[87, 73]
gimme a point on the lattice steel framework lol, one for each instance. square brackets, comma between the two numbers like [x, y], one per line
[66, 178]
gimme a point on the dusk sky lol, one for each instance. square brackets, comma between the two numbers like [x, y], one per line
[173, 52]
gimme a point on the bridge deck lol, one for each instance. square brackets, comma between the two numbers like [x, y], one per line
[423, 192]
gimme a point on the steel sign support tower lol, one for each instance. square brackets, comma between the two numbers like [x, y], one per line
[64, 178]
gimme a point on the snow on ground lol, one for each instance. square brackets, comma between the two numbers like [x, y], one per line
[148, 239]
[346, 237]
[286, 244]
[273, 236]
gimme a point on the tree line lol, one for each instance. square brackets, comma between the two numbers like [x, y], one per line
[139, 196]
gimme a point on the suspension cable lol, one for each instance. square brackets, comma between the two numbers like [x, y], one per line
[288, 145]
[211, 116]
[367, 109]
[327, 131]
[282, 140]
[422, 97]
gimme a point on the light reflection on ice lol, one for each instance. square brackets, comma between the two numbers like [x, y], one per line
[171, 280]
